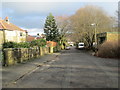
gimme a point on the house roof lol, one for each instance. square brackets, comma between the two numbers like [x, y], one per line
[30, 38]
[5, 24]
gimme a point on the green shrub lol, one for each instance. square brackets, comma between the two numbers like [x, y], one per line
[9, 45]
[16, 45]
[23, 45]
[39, 42]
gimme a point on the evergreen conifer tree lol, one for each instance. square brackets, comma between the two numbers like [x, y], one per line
[50, 29]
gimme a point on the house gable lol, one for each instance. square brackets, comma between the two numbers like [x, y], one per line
[12, 32]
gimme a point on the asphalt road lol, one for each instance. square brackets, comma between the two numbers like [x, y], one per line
[72, 69]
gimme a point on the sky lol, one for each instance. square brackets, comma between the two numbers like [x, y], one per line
[31, 15]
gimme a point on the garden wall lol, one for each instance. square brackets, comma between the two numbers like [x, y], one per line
[13, 56]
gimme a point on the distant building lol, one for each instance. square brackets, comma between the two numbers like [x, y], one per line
[107, 36]
[43, 36]
[11, 32]
[31, 38]
[71, 43]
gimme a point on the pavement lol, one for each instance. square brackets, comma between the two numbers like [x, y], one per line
[11, 74]
[67, 69]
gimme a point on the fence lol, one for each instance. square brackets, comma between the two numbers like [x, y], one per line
[18, 55]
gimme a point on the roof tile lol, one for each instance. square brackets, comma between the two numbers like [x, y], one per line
[9, 26]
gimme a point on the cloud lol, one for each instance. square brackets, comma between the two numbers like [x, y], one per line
[38, 8]
[60, 1]
[33, 14]
[33, 31]
[23, 8]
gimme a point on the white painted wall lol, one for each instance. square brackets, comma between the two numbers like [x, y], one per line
[14, 35]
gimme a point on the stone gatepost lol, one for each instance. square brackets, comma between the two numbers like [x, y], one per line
[30, 53]
[16, 55]
[41, 51]
[51, 50]
[45, 48]
[22, 54]
[19, 56]
[38, 52]
[25, 54]
[8, 57]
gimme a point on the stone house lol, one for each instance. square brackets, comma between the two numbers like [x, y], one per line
[107, 36]
[11, 32]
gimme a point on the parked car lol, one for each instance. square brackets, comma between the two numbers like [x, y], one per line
[67, 48]
[81, 46]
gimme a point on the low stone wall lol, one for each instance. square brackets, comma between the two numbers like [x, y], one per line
[18, 55]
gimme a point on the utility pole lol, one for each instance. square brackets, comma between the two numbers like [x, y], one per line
[95, 36]
[94, 24]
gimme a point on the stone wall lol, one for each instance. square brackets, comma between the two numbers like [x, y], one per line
[13, 56]
[113, 36]
[107, 36]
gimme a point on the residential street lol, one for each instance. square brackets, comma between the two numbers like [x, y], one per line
[70, 69]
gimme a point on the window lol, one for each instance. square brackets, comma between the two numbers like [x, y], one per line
[102, 39]
[81, 44]
[20, 34]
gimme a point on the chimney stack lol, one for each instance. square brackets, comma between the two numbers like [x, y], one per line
[7, 20]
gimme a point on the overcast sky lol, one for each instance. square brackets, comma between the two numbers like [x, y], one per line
[31, 15]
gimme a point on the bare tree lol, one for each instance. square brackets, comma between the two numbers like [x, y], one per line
[63, 23]
[82, 20]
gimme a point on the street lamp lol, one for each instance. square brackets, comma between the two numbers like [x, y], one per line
[94, 24]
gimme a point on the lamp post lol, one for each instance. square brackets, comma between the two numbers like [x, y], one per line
[94, 24]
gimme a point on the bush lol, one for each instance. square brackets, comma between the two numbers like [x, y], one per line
[23, 45]
[39, 43]
[109, 49]
[9, 45]
[16, 45]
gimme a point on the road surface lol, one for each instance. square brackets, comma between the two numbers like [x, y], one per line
[72, 69]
